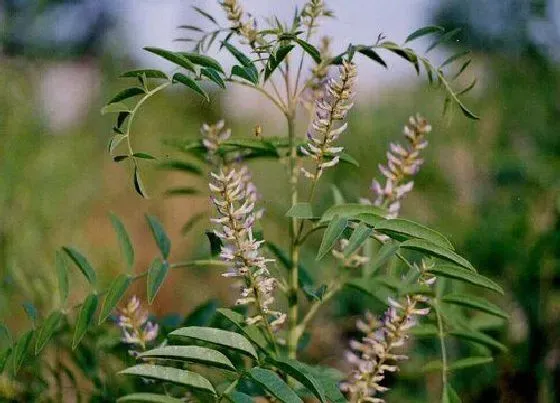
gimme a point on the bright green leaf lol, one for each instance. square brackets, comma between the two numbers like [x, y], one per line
[332, 234]
[46, 330]
[245, 73]
[20, 350]
[386, 252]
[252, 332]
[449, 395]
[85, 318]
[116, 291]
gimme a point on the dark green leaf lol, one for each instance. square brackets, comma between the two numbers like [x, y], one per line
[430, 29]
[125, 244]
[348, 159]
[177, 376]
[189, 82]
[462, 69]
[156, 275]
[85, 318]
[213, 75]
[459, 273]
[300, 211]
[373, 55]
[433, 249]
[402, 230]
[82, 263]
[275, 59]
[202, 60]
[454, 57]
[245, 73]
[149, 73]
[173, 57]
[20, 350]
[161, 238]
[373, 288]
[196, 354]
[139, 184]
[332, 234]
[116, 291]
[182, 191]
[310, 50]
[148, 398]
[252, 332]
[127, 93]
[471, 301]
[359, 236]
[46, 330]
[351, 210]
[239, 397]
[119, 158]
[444, 38]
[145, 156]
[116, 107]
[115, 141]
[240, 56]
[328, 378]
[386, 252]
[467, 89]
[181, 166]
[276, 386]
[205, 14]
[215, 243]
[300, 373]
[215, 336]
[203, 314]
[480, 338]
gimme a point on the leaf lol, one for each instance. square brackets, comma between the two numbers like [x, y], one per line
[182, 191]
[276, 386]
[127, 93]
[196, 354]
[189, 82]
[351, 211]
[430, 29]
[444, 38]
[332, 234]
[348, 159]
[5, 334]
[149, 73]
[386, 252]
[458, 273]
[245, 73]
[205, 14]
[173, 375]
[449, 395]
[30, 311]
[215, 243]
[181, 166]
[300, 211]
[467, 88]
[85, 318]
[82, 263]
[454, 57]
[139, 184]
[252, 332]
[304, 278]
[373, 55]
[275, 59]
[158, 232]
[300, 373]
[328, 380]
[116, 291]
[480, 338]
[433, 249]
[466, 111]
[156, 275]
[125, 243]
[462, 69]
[338, 197]
[116, 107]
[310, 50]
[46, 330]
[119, 158]
[4, 356]
[239, 397]
[148, 398]
[213, 75]
[173, 57]
[424, 330]
[202, 315]
[20, 350]
[145, 156]
[373, 288]
[469, 362]
[402, 230]
[219, 337]
[359, 236]
[115, 141]
[202, 60]
[471, 301]
[240, 56]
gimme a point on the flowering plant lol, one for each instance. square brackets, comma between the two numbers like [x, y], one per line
[254, 349]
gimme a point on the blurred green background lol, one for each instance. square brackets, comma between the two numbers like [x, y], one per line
[492, 186]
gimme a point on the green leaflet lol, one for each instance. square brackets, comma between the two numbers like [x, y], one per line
[301, 373]
[190, 83]
[162, 240]
[213, 76]
[359, 236]
[148, 398]
[4, 356]
[82, 263]
[85, 318]
[139, 184]
[471, 301]
[173, 57]
[430, 29]
[156, 275]
[196, 354]
[46, 330]
[480, 338]
[127, 93]
[401, 230]
[125, 243]
[177, 376]
[332, 234]
[273, 384]
[215, 336]
[239, 397]
[386, 252]
[459, 273]
[116, 291]
[202, 60]
[149, 73]
[351, 211]
[20, 349]
[115, 107]
[310, 50]
[252, 332]
[435, 250]
[301, 211]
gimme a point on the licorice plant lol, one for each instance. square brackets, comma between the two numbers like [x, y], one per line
[253, 350]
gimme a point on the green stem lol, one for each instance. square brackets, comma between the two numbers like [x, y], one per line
[441, 336]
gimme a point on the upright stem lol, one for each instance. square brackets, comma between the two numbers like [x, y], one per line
[441, 335]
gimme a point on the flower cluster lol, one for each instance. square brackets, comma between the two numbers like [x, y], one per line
[312, 10]
[214, 135]
[333, 106]
[235, 197]
[402, 163]
[234, 14]
[374, 355]
[136, 329]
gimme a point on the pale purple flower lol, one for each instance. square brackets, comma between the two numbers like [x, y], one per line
[135, 327]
